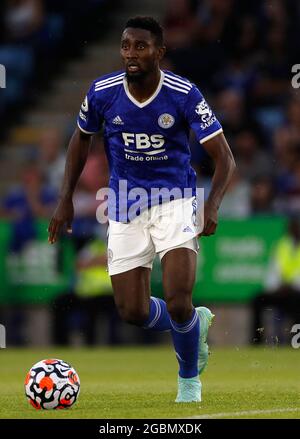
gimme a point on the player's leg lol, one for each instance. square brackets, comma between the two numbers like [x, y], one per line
[130, 256]
[189, 325]
[179, 268]
[134, 302]
[179, 271]
[132, 294]
[173, 232]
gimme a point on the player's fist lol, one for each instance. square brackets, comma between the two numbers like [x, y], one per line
[210, 219]
[63, 216]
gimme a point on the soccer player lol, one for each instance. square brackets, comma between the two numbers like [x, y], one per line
[147, 114]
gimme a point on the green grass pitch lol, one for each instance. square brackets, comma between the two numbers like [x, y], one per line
[140, 382]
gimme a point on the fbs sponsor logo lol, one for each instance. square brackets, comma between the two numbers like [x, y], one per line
[143, 142]
[166, 120]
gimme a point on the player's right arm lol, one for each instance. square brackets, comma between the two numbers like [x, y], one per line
[77, 154]
[89, 122]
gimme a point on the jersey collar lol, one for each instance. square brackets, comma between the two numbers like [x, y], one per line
[143, 104]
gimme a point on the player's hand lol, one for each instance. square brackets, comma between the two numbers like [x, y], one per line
[63, 215]
[210, 219]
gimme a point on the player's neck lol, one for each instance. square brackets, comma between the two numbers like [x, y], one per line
[146, 87]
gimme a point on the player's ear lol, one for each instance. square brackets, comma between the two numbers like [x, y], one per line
[161, 52]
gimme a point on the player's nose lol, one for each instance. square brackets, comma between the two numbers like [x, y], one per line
[131, 53]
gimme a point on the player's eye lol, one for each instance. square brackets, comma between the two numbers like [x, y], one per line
[141, 46]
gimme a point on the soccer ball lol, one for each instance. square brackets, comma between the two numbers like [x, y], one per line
[52, 384]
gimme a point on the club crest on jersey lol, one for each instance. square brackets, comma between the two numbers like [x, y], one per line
[166, 120]
[85, 105]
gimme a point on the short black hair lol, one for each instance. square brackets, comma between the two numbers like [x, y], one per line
[147, 23]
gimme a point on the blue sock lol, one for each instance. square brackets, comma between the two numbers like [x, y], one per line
[186, 343]
[159, 319]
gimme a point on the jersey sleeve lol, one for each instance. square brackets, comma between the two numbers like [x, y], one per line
[89, 118]
[200, 117]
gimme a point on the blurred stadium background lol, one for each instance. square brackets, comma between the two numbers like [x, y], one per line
[240, 54]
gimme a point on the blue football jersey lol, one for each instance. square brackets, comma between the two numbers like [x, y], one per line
[147, 144]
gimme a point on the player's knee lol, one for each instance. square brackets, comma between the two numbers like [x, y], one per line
[179, 309]
[134, 316]
[137, 318]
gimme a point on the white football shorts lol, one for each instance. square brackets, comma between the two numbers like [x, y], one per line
[158, 230]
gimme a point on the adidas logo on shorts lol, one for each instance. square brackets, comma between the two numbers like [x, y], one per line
[187, 229]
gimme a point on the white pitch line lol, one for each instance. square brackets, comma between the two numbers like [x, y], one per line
[244, 413]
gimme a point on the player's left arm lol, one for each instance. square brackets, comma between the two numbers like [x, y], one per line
[220, 152]
[209, 133]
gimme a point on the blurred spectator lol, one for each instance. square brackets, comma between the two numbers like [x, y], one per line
[234, 114]
[217, 22]
[251, 160]
[286, 141]
[25, 203]
[288, 200]
[293, 118]
[262, 196]
[180, 24]
[285, 155]
[275, 68]
[52, 157]
[239, 75]
[94, 176]
[282, 283]
[36, 38]
[248, 43]
[236, 202]
[23, 18]
[92, 297]
[231, 108]
[2, 30]
[274, 13]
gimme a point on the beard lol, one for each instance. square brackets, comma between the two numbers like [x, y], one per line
[135, 77]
